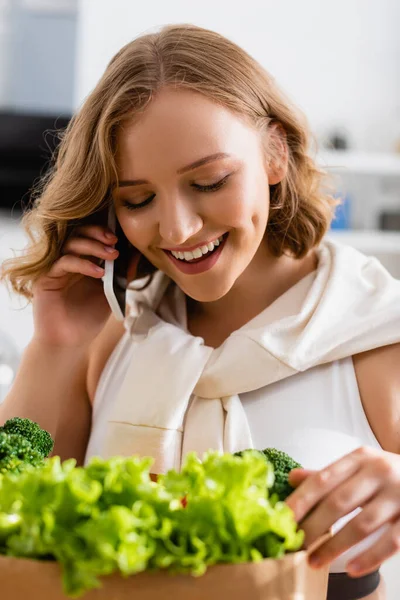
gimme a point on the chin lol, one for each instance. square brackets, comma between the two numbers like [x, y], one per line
[206, 292]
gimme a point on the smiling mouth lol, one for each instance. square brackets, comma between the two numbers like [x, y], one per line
[194, 257]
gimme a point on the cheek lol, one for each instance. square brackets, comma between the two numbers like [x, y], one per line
[247, 206]
[136, 232]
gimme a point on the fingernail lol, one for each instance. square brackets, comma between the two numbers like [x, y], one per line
[109, 249]
[110, 235]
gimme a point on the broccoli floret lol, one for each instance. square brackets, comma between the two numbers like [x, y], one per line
[283, 464]
[16, 453]
[23, 442]
[39, 439]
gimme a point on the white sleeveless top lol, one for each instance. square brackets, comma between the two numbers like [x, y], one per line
[316, 416]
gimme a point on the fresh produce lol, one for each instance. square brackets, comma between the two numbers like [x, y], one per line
[110, 517]
[23, 443]
[282, 464]
[40, 439]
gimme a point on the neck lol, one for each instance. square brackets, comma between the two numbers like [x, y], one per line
[252, 293]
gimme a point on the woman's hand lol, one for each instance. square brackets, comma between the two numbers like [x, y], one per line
[69, 305]
[365, 478]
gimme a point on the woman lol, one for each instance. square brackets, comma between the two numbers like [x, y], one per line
[250, 329]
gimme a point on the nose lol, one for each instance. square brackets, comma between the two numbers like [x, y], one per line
[178, 220]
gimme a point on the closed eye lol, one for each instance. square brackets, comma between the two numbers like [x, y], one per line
[131, 206]
[212, 187]
[201, 188]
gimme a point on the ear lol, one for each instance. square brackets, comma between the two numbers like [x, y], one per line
[277, 153]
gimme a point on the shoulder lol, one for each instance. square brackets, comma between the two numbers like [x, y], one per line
[378, 378]
[100, 352]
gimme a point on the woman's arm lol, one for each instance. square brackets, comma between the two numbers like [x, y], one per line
[50, 388]
[74, 424]
[367, 477]
[378, 377]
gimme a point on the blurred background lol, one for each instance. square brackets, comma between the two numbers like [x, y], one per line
[339, 61]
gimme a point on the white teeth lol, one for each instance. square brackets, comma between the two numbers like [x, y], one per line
[198, 252]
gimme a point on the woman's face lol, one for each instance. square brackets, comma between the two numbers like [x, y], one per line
[193, 179]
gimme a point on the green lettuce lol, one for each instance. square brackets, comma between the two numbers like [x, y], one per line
[111, 517]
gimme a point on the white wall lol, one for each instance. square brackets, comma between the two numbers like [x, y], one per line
[337, 60]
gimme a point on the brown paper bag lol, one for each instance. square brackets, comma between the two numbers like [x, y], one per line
[288, 578]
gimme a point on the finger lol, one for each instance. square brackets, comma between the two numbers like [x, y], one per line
[317, 486]
[370, 560]
[297, 476]
[381, 511]
[345, 498]
[89, 247]
[73, 264]
[103, 234]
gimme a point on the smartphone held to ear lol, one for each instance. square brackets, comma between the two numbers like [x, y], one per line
[115, 271]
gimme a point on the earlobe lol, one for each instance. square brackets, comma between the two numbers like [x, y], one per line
[277, 164]
[276, 172]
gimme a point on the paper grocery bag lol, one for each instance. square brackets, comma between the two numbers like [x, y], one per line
[287, 578]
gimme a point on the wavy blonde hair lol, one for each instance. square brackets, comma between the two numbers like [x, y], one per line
[76, 189]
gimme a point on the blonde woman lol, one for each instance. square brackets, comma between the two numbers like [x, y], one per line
[243, 327]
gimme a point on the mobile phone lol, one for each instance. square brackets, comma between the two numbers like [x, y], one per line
[115, 271]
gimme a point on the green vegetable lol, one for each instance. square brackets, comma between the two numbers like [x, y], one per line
[16, 453]
[227, 504]
[40, 439]
[110, 517]
[282, 464]
[22, 443]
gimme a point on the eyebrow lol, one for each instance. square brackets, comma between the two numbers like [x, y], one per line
[194, 165]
